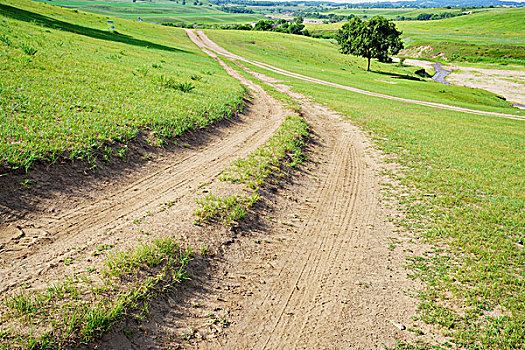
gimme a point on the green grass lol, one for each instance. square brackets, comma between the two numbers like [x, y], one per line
[488, 35]
[466, 176]
[284, 148]
[72, 89]
[321, 59]
[81, 308]
[159, 11]
[227, 210]
[287, 142]
[496, 36]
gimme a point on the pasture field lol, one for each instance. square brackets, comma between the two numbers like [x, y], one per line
[496, 36]
[321, 59]
[489, 36]
[70, 88]
[468, 201]
[160, 11]
[392, 13]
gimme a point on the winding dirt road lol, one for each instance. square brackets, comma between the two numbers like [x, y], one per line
[206, 44]
[33, 251]
[322, 269]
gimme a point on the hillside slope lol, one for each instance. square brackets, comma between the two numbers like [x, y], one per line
[494, 36]
[160, 11]
[70, 87]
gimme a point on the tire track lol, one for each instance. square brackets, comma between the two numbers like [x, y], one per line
[206, 44]
[46, 241]
[333, 286]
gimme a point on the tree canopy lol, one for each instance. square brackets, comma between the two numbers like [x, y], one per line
[376, 38]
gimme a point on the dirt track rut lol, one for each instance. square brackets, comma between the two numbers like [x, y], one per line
[205, 43]
[35, 251]
[335, 283]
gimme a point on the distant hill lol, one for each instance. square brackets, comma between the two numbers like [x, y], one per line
[444, 3]
[415, 4]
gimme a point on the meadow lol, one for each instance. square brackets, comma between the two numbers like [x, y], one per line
[160, 11]
[71, 88]
[465, 178]
[321, 59]
[488, 35]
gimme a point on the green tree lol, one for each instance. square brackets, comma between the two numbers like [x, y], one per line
[376, 38]
[264, 25]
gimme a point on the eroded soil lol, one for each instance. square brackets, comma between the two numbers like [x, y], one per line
[317, 265]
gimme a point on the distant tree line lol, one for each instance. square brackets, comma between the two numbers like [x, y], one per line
[254, 3]
[236, 9]
[294, 26]
[330, 17]
[429, 16]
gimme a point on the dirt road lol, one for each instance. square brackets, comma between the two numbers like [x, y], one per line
[34, 250]
[205, 43]
[318, 267]
[321, 267]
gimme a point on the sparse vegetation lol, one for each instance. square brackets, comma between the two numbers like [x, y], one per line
[253, 171]
[287, 142]
[83, 307]
[226, 210]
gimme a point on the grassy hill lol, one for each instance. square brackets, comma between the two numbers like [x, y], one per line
[160, 11]
[321, 59]
[492, 35]
[466, 174]
[71, 88]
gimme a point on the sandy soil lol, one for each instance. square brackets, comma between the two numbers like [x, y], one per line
[507, 83]
[318, 265]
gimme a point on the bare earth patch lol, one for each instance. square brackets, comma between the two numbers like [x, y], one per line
[507, 83]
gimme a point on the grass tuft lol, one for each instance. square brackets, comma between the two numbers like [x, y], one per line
[227, 210]
[253, 171]
[79, 309]
[286, 143]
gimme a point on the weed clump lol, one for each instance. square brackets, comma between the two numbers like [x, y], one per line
[171, 83]
[286, 143]
[227, 210]
[82, 308]
[28, 49]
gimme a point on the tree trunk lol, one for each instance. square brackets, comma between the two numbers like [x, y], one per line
[368, 66]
